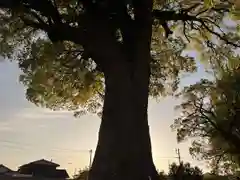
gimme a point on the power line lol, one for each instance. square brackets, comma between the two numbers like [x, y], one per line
[168, 157]
[164, 157]
[24, 145]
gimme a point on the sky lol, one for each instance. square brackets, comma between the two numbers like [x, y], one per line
[29, 133]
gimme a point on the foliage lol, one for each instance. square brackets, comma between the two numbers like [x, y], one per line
[184, 171]
[60, 71]
[82, 175]
[210, 114]
[162, 175]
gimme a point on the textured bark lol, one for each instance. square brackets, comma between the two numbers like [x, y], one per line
[124, 148]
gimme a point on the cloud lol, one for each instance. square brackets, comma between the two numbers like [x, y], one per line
[41, 113]
[6, 129]
[31, 119]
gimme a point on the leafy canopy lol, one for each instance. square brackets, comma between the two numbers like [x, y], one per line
[48, 40]
[210, 116]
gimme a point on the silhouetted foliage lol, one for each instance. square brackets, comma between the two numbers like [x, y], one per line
[163, 175]
[82, 175]
[76, 54]
[61, 74]
[184, 171]
[210, 115]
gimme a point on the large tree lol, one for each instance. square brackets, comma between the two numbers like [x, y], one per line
[76, 53]
[210, 115]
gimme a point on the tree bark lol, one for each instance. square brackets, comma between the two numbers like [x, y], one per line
[124, 147]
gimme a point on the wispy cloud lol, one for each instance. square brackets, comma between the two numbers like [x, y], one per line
[41, 113]
[27, 120]
[6, 129]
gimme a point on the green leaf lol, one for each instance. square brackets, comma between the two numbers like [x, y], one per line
[209, 3]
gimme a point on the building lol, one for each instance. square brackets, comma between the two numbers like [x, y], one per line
[5, 170]
[43, 169]
[6, 173]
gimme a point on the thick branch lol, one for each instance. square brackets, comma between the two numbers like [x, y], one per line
[9, 3]
[46, 8]
[165, 16]
[172, 16]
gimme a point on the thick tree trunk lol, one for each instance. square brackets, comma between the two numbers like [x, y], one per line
[124, 147]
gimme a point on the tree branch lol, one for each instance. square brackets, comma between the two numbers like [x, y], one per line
[9, 3]
[183, 16]
[172, 16]
[217, 34]
[33, 24]
[35, 15]
[46, 8]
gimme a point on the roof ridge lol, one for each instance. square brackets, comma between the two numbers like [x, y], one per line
[42, 161]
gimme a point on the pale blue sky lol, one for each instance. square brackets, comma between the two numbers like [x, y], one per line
[29, 133]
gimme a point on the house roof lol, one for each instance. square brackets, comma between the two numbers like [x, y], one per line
[41, 162]
[4, 169]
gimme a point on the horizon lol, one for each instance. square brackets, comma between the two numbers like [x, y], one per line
[20, 122]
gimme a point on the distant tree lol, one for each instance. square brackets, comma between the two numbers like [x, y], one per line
[75, 54]
[162, 175]
[81, 175]
[184, 171]
[210, 115]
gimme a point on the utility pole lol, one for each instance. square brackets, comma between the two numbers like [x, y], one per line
[90, 158]
[90, 162]
[180, 169]
[178, 155]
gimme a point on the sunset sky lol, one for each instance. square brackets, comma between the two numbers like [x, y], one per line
[29, 133]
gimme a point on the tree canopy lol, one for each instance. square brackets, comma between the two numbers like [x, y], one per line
[210, 116]
[49, 41]
[76, 53]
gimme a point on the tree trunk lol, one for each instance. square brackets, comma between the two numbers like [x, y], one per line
[124, 147]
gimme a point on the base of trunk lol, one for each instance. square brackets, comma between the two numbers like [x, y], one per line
[124, 155]
[125, 171]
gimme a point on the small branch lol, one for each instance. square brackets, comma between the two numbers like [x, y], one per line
[166, 29]
[191, 8]
[201, 12]
[218, 35]
[101, 95]
[184, 31]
